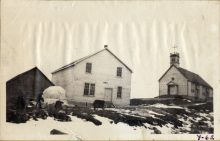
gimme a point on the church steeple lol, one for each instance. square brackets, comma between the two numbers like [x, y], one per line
[174, 58]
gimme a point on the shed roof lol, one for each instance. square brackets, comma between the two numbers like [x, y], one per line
[86, 57]
[35, 69]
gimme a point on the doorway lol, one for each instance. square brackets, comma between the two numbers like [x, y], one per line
[108, 94]
[172, 89]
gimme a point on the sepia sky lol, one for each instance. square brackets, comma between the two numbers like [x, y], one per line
[50, 34]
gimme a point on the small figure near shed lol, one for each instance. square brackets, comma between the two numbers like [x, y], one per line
[39, 101]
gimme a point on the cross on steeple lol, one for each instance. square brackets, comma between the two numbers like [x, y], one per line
[174, 48]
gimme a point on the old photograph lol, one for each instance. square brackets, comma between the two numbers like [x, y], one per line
[109, 70]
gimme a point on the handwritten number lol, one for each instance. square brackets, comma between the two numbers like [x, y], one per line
[212, 137]
[199, 137]
[206, 137]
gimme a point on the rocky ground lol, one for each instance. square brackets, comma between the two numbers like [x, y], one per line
[194, 118]
[157, 118]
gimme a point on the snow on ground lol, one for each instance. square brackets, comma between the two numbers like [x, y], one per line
[158, 105]
[139, 112]
[199, 104]
[154, 113]
[36, 129]
[77, 129]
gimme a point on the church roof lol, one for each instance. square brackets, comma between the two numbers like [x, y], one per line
[86, 57]
[193, 77]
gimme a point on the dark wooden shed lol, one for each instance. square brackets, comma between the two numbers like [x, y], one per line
[28, 84]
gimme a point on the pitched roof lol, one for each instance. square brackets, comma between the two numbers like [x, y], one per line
[192, 77]
[33, 69]
[86, 57]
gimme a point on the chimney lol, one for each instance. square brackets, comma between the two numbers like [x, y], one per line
[105, 46]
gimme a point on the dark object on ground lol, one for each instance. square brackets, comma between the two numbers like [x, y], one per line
[57, 132]
[18, 114]
[39, 113]
[58, 105]
[109, 104]
[176, 100]
[86, 114]
[16, 117]
[62, 116]
[156, 131]
[202, 107]
[54, 108]
[131, 120]
[58, 111]
[99, 104]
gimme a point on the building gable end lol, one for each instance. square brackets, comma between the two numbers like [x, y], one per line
[169, 70]
[84, 58]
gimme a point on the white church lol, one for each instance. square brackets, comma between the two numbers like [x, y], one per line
[177, 81]
[99, 76]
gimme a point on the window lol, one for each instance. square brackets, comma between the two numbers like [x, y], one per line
[89, 89]
[119, 71]
[88, 67]
[86, 89]
[92, 89]
[119, 92]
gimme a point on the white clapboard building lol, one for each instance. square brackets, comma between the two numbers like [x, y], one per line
[177, 81]
[99, 76]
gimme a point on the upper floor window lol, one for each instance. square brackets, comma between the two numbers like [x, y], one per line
[119, 92]
[119, 71]
[88, 67]
[89, 89]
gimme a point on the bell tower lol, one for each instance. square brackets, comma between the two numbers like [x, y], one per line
[174, 58]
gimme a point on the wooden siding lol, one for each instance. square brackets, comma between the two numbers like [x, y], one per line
[179, 79]
[28, 84]
[201, 89]
[104, 67]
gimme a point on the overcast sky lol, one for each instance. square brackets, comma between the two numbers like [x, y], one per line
[50, 34]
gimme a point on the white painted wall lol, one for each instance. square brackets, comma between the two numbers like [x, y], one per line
[201, 89]
[179, 79]
[104, 67]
